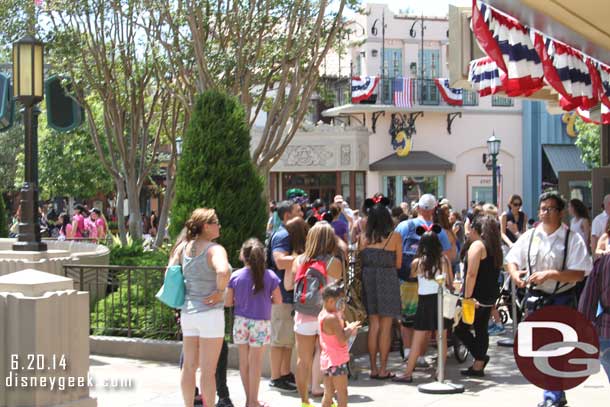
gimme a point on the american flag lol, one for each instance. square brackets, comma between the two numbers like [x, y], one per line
[403, 92]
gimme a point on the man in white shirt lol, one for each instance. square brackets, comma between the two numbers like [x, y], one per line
[551, 268]
[598, 227]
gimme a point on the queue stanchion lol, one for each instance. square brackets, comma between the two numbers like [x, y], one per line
[510, 342]
[441, 386]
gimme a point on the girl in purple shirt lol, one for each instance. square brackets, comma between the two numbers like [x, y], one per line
[251, 291]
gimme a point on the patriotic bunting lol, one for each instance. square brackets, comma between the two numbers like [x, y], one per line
[363, 87]
[508, 44]
[452, 96]
[520, 61]
[485, 76]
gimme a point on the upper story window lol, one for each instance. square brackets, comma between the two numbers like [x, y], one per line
[501, 101]
[470, 98]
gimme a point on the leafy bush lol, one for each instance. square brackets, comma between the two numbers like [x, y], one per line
[216, 171]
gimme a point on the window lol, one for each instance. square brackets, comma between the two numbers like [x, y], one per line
[359, 190]
[392, 69]
[408, 188]
[345, 187]
[470, 98]
[428, 93]
[501, 101]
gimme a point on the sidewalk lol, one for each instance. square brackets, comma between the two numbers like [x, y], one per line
[157, 385]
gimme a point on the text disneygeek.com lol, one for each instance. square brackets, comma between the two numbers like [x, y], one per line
[60, 383]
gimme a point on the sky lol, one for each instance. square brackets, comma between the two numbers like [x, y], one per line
[429, 7]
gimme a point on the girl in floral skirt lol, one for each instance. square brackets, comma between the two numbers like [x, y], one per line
[251, 290]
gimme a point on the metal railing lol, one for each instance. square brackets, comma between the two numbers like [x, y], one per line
[425, 93]
[122, 300]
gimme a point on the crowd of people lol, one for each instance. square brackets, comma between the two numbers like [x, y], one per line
[291, 292]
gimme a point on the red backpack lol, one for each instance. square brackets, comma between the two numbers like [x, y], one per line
[310, 280]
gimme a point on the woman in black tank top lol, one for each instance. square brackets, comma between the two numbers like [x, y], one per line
[482, 268]
[513, 222]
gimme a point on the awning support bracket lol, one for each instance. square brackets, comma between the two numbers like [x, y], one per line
[411, 122]
[376, 115]
[450, 118]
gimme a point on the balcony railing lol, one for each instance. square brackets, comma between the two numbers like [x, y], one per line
[425, 93]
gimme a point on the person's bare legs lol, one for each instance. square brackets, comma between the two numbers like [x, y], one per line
[244, 369]
[385, 342]
[329, 391]
[373, 344]
[306, 347]
[190, 351]
[340, 386]
[286, 359]
[316, 374]
[418, 347]
[255, 365]
[276, 355]
[209, 351]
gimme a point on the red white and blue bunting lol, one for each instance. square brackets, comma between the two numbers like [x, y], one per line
[526, 59]
[451, 96]
[363, 87]
[485, 77]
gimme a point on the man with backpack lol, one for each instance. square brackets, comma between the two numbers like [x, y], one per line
[279, 257]
[551, 260]
[408, 286]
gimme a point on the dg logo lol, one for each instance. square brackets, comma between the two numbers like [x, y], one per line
[556, 348]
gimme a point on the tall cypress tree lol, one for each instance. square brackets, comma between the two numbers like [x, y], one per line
[215, 171]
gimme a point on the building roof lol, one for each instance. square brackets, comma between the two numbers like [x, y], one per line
[415, 161]
[565, 157]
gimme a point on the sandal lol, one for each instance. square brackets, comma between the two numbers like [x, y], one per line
[390, 375]
[402, 379]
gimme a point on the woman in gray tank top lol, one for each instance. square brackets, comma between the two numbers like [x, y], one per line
[206, 272]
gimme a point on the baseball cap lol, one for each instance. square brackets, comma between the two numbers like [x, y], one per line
[427, 202]
[338, 199]
[445, 201]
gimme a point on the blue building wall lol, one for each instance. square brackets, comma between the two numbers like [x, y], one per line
[539, 127]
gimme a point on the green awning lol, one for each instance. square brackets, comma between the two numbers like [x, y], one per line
[564, 157]
[415, 161]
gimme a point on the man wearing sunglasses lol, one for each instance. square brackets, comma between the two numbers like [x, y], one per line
[550, 259]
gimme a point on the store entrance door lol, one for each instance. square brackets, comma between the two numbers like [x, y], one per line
[322, 185]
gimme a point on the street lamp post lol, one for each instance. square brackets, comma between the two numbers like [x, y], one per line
[421, 62]
[28, 76]
[493, 148]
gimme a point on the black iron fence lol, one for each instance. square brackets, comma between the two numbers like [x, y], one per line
[122, 300]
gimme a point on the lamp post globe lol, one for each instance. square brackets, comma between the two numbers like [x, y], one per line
[28, 78]
[493, 147]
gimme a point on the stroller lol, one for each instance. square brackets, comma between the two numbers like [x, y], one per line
[504, 302]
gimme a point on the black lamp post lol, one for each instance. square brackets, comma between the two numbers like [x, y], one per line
[421, 62]
[28, 77]
[493, 148]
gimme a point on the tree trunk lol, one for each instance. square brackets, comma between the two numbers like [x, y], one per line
[120, 213]
[265, 173]
[135, 217]
[170, 192]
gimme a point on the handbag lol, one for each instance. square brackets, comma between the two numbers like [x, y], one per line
[450, 302]
[172, 291]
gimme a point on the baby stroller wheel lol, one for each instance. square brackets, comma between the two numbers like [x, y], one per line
[459, 350]
[503, 315]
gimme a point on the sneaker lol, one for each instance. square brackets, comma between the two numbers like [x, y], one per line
[282, 385]
[496, 329]
[290, 379]
[197, 401]
[421, 362]
[225, 402]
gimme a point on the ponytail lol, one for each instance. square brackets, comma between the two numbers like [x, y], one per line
[253, 254]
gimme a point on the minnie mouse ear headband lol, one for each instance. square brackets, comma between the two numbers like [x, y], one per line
[370, 202]
[435, 227]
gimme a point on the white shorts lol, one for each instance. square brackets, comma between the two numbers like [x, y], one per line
[207, 324]
[306, 325]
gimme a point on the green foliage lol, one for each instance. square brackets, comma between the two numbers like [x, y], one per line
[11, 155]
[215, 171]
[149, 317]
[588, 141]
[3, 218]
[83, 177]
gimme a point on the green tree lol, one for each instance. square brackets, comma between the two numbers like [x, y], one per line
[3, 218]
[588, 141]
[68, 164]
[215, 171]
